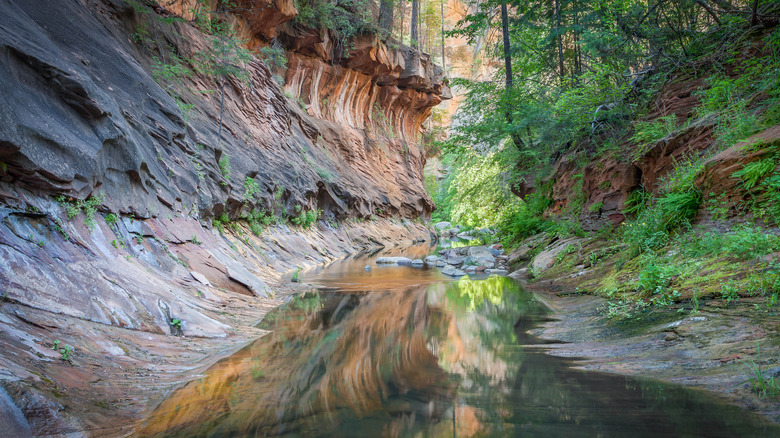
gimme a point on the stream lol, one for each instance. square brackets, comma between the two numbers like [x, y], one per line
[406, 351]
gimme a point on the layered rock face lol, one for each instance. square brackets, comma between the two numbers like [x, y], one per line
[84, 116]
[603, 185]
[109, 185]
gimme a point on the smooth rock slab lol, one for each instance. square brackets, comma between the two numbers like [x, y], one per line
[393, 260]
[452, 271]
[497, 271]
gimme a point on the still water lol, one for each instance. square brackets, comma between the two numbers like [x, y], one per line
[403, 351]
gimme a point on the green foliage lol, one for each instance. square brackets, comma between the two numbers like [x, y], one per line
[306, 218]
[345, 19]
[220, 222]
[224, 168]
[258, 219]
[73, 207]
[754, 172]
[251, 189]
[745, 242]
[175, 322]
[655, 276]
[761, 382]
[66, 352]
[652, 131]
[295, 276]
[195, 239]
[111, 219]
[274, 57]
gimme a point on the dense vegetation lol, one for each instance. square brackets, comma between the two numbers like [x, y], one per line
[582, 80]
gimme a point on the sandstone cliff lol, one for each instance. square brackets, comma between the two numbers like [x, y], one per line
[109, 185]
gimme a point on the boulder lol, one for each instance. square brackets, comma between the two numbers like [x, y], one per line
[393, 260]
[440, 264]
[417, 262]
[431, 259]
[452, 271]
[442, 225]
[479, 255]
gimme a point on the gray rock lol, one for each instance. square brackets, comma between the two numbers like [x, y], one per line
[452, 271]
[441, 225]
[393, 260]
[546, 259]
[520, 274]
[440, 264]
[487, 263]
[470, 269]
[417, 262]
[497, 271]
[431, 259]
[367, 268]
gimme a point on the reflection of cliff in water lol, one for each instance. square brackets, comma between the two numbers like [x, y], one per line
[322, 361]
[445, 358]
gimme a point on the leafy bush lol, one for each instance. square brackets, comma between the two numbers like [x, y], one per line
[306, 218]
[251, 189]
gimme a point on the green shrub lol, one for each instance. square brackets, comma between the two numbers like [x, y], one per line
[224, 167]
[306, 218]
[251, 189]
[88, 206]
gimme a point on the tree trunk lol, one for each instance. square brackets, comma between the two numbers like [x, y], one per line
[414, 31]
[386, 9]
[559, 38]
[443, 62]
[221, 110]
[508, 67]
[754, 18]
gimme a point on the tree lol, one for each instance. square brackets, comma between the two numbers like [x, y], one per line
[223, 60]
[414, 30]
[386, 9]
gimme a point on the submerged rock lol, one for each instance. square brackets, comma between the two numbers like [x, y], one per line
[452, 271]
[393, 260]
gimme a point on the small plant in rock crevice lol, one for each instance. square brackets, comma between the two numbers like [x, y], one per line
[73, 207]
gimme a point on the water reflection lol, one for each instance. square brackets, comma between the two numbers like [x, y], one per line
[431, 359]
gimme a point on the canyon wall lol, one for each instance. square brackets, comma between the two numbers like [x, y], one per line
[114, 165]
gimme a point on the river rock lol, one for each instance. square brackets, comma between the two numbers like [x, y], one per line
[546, 259]
[431, 259]
[393, 260]
[497, 271]
[470, 269]
[440, 264]
[417, 262]
[452, 271]
[479, 255]
[487, 264]
[441, 225]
